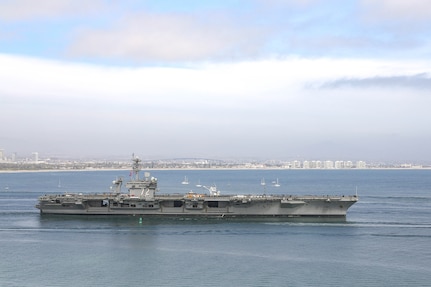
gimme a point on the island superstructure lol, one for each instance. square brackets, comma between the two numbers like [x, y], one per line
[142, 200]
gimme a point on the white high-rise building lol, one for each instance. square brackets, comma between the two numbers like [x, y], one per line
[361, 164]
[348, 164]
[329, 164]
[296, 164]
[339, 164]
[35, 156]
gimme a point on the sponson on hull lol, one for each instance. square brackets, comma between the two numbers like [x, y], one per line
[141, 200]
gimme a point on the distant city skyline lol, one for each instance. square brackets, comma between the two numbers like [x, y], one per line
[217, 79]
[35, 159]
[7, 156]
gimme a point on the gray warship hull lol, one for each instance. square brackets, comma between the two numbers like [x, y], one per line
[193, 205]
[141, 200]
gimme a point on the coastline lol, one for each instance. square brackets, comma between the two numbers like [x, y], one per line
[206, 169]
[59, 170]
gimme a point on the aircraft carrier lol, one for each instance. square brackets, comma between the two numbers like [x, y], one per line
[142, 200]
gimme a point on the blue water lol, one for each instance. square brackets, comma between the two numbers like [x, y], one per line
[385, 241]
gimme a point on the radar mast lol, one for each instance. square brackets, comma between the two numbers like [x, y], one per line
[136, 167]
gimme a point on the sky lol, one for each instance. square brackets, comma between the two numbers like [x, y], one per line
[225, 79]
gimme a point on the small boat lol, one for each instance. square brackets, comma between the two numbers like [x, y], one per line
[185, 181]
[276, 183]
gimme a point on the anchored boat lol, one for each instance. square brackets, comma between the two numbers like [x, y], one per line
[142, 200]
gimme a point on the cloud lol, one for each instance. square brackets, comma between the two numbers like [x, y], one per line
[418, 81]
[147, 32]
[411, 10]
[170, 37]
[290, 3]
[23, 10]
[254, 108]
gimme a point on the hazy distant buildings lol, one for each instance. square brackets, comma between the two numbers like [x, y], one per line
[34, 162]
[13, 157]
[343, 164]
[35, 156]
[361, 164]
[296, 164]
[329, 164]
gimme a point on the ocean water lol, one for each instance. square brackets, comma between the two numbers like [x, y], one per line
[385, 240]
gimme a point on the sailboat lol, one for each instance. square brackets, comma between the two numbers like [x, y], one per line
[199, 184]
[262, 181]
[276, 183]
[185, 181]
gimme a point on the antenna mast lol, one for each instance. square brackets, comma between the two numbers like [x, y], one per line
[136, 167]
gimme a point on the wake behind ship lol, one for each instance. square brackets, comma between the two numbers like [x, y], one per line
[141, 200]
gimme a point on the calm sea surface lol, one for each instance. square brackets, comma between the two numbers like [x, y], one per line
[385, 241]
